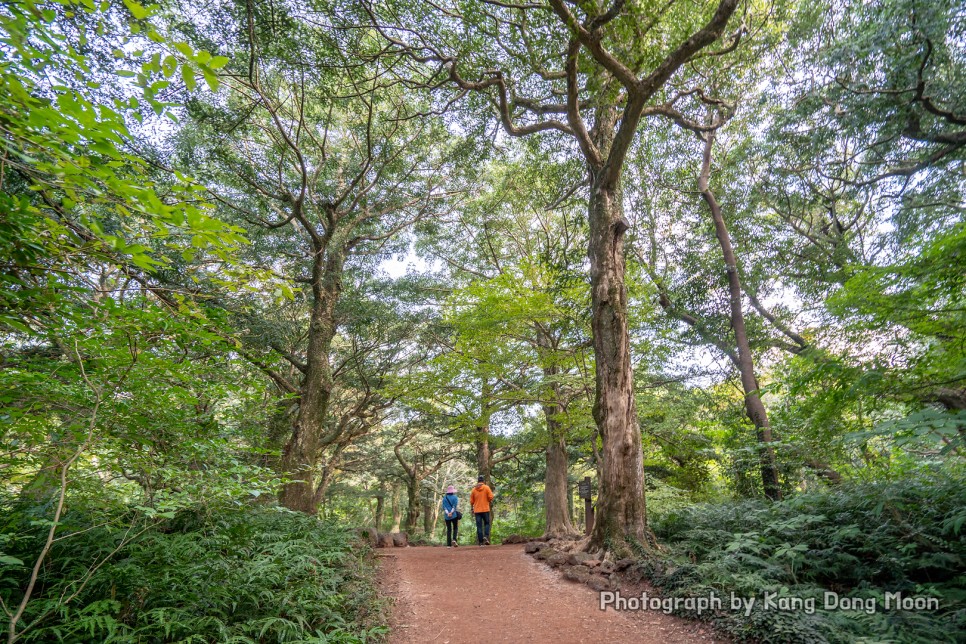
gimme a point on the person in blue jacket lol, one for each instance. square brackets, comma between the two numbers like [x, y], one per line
[452, 515]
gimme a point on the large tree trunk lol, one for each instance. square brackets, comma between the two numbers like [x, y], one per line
[746, 366]
[412, 508]
[621, 510]
[302, 450]
[555, 481]
[483, 456]
[396, 508]
[555, 488]
[380, 512]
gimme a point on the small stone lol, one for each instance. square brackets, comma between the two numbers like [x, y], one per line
[557, 559]
[607, 567]
[599, 583]
[385, 540]
[546, 553]
[532, 548]
[574, 574]
[624, 564]
[578, 558]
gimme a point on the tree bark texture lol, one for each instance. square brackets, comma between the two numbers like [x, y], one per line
[427, 517]
[555, 489]
[396, 508]
[621, 512]
[301, 452]
[412, 507]
[380, 507]
[555, 481]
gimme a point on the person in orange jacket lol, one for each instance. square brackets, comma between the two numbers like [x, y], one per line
[480, 499]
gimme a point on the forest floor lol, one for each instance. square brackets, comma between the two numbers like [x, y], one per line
[471, 595]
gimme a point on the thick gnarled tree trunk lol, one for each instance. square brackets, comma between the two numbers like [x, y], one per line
[621, 512]
[484, 458]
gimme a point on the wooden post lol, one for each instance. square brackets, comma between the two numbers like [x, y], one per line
[584, 491]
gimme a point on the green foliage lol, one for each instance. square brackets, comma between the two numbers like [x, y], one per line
[231, 574]
[69, 189]
[154, 358]
[527, 524]
[859, 540]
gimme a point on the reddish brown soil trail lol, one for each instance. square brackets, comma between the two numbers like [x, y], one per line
[473, 595]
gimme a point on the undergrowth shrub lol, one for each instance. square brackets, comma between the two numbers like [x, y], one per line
[235, 575]
[504, 523]
[526, 524]
[858, 541]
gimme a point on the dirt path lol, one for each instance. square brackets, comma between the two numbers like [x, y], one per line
[471, 595]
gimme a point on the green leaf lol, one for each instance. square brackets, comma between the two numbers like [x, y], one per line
[188, 76]
[185, 49]
[169, 66]
[137, 10]
[211, 79]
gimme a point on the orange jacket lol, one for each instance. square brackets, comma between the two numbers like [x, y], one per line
[480, 498]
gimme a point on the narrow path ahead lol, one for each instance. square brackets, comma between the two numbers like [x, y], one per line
[471, 595]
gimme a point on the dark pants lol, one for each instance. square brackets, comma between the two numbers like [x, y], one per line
[482, 527]
[452, 531]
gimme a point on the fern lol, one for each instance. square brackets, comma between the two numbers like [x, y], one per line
[241, 575]
[856, 540]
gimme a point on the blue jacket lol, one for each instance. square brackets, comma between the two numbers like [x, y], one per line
[450, 503]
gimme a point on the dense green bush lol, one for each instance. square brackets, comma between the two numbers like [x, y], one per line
[239, 575]
[526, 519]
[858, 541]
[520, 519]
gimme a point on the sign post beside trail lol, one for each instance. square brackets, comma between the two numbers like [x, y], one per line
[584, 492]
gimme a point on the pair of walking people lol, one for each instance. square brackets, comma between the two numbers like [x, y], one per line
[480, 499]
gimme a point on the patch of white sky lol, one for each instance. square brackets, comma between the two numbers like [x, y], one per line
[409, 264]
